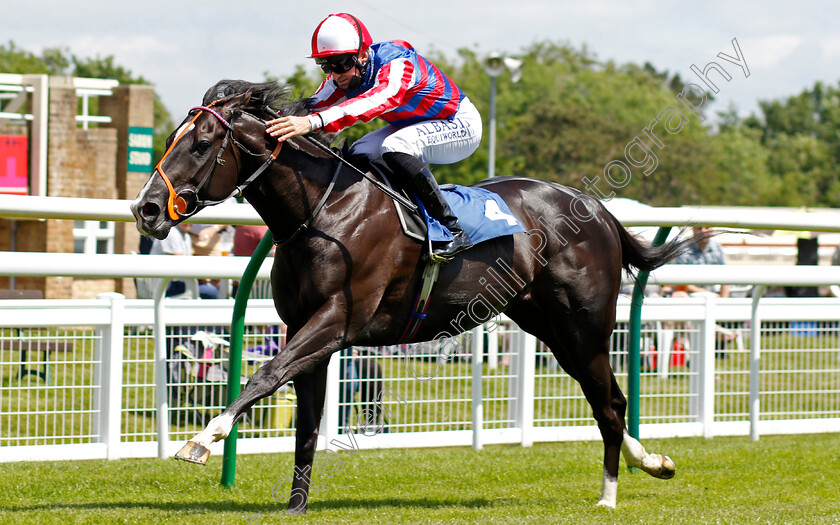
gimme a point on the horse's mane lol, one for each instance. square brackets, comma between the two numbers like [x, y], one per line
[265, 96]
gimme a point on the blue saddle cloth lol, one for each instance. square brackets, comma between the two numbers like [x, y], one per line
[481, 213]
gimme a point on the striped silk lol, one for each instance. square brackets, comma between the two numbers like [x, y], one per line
[400, 87]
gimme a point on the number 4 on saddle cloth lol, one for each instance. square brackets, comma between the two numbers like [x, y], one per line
[481, 213]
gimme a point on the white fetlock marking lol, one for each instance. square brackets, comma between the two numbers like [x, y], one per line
[633, 451]
[218, 428]
[609, 491]
[635, 455]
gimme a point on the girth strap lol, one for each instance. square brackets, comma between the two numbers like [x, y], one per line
[421, 304]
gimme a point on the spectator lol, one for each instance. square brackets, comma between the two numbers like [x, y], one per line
[348, 376]
[704, 250]
[145, 245]
[176, 243]
[246, 237]
[207, 240]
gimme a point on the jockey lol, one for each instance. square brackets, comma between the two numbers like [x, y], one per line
[429, 119]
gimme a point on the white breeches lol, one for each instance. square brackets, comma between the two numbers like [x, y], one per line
[431, 141]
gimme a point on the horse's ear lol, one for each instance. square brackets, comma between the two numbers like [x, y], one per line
[237, 103]
[246, 98]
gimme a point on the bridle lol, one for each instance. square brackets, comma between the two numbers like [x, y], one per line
[185, 203]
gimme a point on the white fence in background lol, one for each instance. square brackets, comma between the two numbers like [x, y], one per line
[86, 379]
[77, 379]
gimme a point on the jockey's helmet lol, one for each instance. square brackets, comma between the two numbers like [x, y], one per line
[340, 34]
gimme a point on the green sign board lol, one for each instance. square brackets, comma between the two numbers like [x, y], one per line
[140, 149]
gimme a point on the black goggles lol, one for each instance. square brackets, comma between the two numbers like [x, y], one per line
[338, 64]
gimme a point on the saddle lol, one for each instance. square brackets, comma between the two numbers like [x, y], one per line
[413, 224]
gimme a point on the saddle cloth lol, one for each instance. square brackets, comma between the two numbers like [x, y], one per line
[482, 214]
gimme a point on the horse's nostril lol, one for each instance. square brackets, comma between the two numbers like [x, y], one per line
[149, 210]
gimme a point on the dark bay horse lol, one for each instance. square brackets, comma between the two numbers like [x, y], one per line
[344, 274]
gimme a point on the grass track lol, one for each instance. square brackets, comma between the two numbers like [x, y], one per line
[780, 479]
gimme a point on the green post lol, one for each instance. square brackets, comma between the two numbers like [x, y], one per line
[237, 329]
[635, 354]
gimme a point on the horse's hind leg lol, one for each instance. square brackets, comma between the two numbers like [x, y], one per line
[587, 361]
[609, 405]
[600, 388]
[634, 453]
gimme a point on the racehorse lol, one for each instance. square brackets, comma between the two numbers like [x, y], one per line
[344, 274]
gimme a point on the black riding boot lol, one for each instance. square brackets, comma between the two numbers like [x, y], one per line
[421, 180]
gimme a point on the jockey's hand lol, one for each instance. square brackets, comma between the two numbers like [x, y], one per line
[284, 128]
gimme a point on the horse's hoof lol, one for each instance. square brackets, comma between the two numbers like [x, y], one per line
[667, 468]
[605, 504]
[194, 453]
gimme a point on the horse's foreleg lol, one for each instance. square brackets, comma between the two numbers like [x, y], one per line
[197, 449]
[314, 343]
[656, 465]
[263, 383]
[310, 388]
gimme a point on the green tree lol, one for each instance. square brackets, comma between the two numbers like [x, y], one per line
[19, 61]
[570, 115]
[802, 135]
[741, 163]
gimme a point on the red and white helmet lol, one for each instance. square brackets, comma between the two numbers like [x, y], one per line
[340, 34]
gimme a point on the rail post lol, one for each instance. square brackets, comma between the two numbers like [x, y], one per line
[161, 371]
[755, 363]
[634, 351]
[110, 355]
[237, 329]
[477, 363]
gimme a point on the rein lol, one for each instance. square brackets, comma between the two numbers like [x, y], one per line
[185, 203]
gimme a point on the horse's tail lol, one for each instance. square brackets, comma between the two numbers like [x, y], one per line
[638, 255]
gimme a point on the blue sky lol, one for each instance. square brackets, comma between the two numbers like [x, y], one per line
[185, 47]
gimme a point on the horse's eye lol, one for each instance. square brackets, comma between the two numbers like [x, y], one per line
[202, 147]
